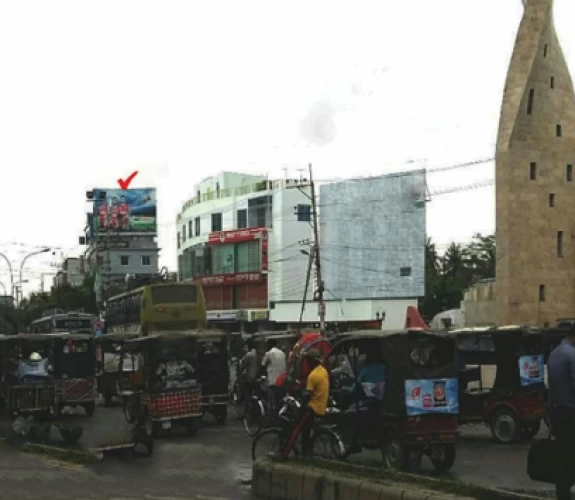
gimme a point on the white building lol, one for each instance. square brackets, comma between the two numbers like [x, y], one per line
[240, 237]
[71, 273]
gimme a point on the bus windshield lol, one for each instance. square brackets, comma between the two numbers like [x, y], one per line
[173, 294]
[73, 324]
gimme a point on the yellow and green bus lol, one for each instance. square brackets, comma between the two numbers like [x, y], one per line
[151, 308]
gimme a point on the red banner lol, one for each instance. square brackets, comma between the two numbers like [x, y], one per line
[229, 279]
[237, 235]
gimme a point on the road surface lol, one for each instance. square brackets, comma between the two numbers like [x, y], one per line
[211, 465]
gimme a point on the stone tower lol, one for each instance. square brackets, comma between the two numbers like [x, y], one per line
[535, 178]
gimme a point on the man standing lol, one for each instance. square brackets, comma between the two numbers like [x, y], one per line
[249, 367]
[124, 214]
[561, 371]
[275, 363]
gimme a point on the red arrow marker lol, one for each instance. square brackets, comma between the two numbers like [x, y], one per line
[124, 184]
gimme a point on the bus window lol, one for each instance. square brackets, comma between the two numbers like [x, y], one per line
[73, 324]
[174, 294]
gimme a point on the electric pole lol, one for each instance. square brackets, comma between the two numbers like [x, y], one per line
[319, 297]
[308, 275]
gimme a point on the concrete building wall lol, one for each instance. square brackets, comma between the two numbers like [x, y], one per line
[479, 305]
[535, 181]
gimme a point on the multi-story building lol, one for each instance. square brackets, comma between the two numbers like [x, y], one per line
[372, 248]
[121, 235]
[535, 182]
[70, 273]
[239, 236]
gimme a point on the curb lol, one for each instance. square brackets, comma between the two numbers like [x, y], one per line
[279, 481]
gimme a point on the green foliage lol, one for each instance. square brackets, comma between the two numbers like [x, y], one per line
[448, 276]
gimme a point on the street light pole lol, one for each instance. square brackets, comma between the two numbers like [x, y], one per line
[44, 250]
[11, 273]
[3, 287]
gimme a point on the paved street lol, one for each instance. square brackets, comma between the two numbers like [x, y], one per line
[210, 465]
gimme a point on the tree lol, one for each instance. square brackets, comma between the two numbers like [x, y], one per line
[481, 255]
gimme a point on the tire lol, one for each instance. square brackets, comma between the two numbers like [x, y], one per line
[528, 432]
[237, 402]
[71, 436]
[143, 435]
[393, 452]
[128, 410]
[448, 460]
[505, 426]
[254, 417]
[332, 447]
[261, 448]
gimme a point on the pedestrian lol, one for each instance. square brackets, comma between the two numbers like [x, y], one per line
[275, 362]
[315, 399]
[249, 368]
[561, 375]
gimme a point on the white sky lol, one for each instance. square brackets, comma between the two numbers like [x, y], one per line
[90, 91]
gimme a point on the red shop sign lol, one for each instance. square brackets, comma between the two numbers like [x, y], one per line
[237, 235]
[229, 279]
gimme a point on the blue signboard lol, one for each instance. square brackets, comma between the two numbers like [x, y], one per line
[531, 369]
[432, 396]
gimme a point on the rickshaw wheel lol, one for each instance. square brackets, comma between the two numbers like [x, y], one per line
[128, 407]
[448, 460]
[393, 452]
[504, 426]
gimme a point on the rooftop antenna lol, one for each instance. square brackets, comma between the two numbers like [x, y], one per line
[285, 169]
[300, 170]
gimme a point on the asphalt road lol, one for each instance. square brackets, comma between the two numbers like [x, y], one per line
[212, 464]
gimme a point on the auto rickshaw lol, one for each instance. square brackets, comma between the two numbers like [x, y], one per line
[166, 388]
[213, 372]
[111, 382]
[513, 404]
[397, 392]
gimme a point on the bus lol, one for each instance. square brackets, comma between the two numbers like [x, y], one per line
[165, 306]
[59, 321]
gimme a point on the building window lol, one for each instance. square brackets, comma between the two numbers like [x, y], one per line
[197, 226]
[124, 260]
[559, 243]
[223, 259]
[242, 219]
[247, 257]
[552, 82]
[558, 131]
[303, 213]
[569, 173]
[190, 229]
[146, 260]
[179, 240]
[405, 271]
[541, 293]
[184, 233]
[217, 189]
[198, 195]
[530, 101]
[545, 51]
[533, 171]
[552, 200]
[216, 222]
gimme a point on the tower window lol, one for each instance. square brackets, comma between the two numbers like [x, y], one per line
[530, 101]
[552, 83]
[558, 131]
[569, 173]
[533, 171]
[541, 293]
[552, 200]
[545, 51]
[559, 243]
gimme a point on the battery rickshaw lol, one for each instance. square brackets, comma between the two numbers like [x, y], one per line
[111, 382]
[165, 388]
[213, 372]
[397, 392]
[513, 405]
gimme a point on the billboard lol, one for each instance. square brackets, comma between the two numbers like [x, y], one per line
[130, 211]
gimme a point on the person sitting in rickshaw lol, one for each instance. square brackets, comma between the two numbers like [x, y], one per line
[35, 368]
[176, 374]
[371, 379]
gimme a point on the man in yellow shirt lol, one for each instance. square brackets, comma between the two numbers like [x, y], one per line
[315, 398]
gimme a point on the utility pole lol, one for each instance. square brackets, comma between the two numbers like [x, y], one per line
[308, 276]
[320, 289]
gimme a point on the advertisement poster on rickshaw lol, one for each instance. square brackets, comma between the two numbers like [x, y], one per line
[431, 396]
[531, 369]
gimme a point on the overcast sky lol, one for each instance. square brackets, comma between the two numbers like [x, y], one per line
[90, 91]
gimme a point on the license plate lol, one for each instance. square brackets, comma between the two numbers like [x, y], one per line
[166, 425]
[437, 452]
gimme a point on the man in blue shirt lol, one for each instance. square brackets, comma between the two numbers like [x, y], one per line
[561, 375]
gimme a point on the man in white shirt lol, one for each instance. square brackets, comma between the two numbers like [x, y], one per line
[275, 363]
